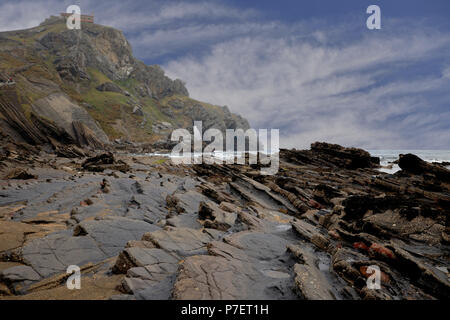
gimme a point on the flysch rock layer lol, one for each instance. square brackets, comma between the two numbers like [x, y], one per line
[143, 228]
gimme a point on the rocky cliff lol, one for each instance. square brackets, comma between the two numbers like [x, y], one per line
[88, 80]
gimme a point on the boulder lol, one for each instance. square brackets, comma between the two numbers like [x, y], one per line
[109, 87]
[105, 161]
[413, 164]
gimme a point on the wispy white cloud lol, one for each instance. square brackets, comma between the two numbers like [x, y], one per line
[15, 15]
[155, 44]
[318, 91]
[446, 73]
[128, 15]
[142, 15]
[312, 80]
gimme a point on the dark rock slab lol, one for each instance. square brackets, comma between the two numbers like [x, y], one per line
[105, 161]
[184, 221]
[258, 245]
[180, 241]
[113, 233]
[54, 253]
[20, 273]
[230, 273]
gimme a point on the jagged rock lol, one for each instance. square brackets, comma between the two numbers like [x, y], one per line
[413, 164]
[161, 127]
[434, 280]
[4, 290]
[343, 262]
[363, 218]
[181, 241]
[332, 155]
[103, 162]
[71, 67]
[116, 65]
[58, 108]
[215, 217]
[70, 151]
[215, 118]
[160, 85]
[19, 174]
[168, 112]
[11, 109]
[324, 193]
[164, 144]
[396, 223]
[139, 244]
[52, 130]
[141, 257]
[351, 158]
[137, 110]
[320, 241]
[357, 206]
[85, 136]
[305, 229]
[309, 280]
[154, 280]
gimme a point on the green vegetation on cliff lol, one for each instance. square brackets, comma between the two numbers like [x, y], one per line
[95, 69]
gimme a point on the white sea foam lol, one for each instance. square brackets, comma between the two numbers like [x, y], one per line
[387, 157]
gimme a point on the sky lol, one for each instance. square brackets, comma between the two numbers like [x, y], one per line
[311, 69]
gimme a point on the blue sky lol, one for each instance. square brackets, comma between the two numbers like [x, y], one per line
[309, 68]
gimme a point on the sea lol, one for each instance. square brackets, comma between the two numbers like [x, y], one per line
[387, 157]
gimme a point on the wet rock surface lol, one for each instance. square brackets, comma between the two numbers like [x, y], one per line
[160, 231]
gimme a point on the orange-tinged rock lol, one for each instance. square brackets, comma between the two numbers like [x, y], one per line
[383, 276]
[360, 245]
[334, 234]
[381, 251]
[314, 204]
